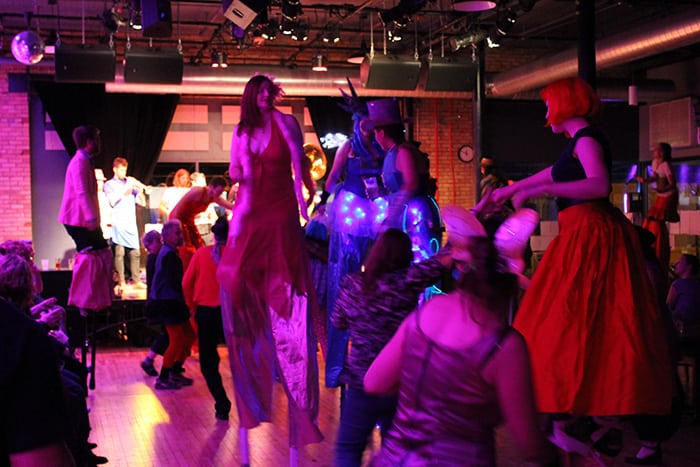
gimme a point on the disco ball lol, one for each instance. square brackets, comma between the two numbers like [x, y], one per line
[28, 48]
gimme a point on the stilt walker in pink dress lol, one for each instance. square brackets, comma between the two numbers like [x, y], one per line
[267, 292]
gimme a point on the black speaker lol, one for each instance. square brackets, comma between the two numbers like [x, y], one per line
[390, 72]
[156, 18]
[153, 66]
[243, 12]
[84, 64]
[446, 74]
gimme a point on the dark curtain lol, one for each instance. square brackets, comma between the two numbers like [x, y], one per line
[328, 117]
[132, 126]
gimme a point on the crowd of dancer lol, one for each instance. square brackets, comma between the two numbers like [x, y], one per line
[592, 343]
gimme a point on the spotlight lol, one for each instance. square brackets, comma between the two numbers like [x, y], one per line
[291, 8]
[300, 32]
[318, 63]
[219, 59]
[287, 26]
[505, 21]
[470, 6]
[395, 32]
[269, 32]
[332, 34]
[136, 21]
[461, 42]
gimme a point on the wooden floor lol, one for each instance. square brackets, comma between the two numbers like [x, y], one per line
[135, 425]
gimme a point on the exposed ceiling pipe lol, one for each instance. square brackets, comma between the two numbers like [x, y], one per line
[301, 82]
[664, 35]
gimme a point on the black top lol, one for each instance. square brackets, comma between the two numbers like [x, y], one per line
[32, 412]
[568, 168]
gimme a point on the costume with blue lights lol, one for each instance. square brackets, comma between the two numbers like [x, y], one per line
[355, 214]
[417, 215]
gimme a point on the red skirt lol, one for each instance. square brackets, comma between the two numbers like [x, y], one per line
[591, 322]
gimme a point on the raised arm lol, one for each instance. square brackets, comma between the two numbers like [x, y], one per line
[341, 158]
[595, 185]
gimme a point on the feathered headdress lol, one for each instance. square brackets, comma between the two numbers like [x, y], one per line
[353, 104]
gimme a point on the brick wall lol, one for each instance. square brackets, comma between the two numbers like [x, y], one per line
[442, 126]
[15, 191]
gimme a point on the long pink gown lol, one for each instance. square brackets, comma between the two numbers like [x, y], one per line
[268, 299]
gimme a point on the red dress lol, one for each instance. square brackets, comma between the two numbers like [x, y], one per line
[590, 318]
[267, 299]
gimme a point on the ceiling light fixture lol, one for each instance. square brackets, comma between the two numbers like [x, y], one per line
[332, 34]
[471, 6]
[319, 63]
[219, 59]
[300, 32]
[505, 21]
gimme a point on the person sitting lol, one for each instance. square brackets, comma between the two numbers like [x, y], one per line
[16, 288]
[455, 379]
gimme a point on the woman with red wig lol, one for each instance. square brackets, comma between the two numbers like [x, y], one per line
[589, 317]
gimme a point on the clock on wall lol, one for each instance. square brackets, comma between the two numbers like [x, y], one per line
[465, 153]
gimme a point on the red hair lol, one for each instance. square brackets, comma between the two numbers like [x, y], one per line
[571, 97]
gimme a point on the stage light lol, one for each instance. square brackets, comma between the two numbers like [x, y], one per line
[332, 35]
[300, 32]
[358, 57]
[470, 6]
[318, 63]
[219, 59]
[505, 21]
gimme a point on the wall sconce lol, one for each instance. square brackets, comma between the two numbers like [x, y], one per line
[319, 63]
[219, 59]
[470, 6]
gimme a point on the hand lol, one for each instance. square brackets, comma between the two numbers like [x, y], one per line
[53, 317]
[520, 198]
[43, 306]
[60, 336]
[501, 195]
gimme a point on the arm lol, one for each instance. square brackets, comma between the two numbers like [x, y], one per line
[426, 273]
[292, 132]
[406, 164]
[224, 203]
[672, 298]
[341, 158]
[509, 371]
[384, 374]
[85, 189]
[189, 279]
[339, 317]
[595, 185]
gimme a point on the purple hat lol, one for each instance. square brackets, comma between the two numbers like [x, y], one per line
[383, 112]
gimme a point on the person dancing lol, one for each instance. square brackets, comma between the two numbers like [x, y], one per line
[352, 217]
[267, 292]
[665, 208]
[589, 316]
[458, 370]
[412, 207]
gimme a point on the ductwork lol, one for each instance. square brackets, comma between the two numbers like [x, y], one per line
[230, 81]
[664, 35]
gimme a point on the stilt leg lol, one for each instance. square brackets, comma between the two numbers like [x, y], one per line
[243, 447]
[93, 348]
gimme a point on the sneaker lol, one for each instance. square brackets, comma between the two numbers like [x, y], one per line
[167, 384]
[147, 366]
[181, 379]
